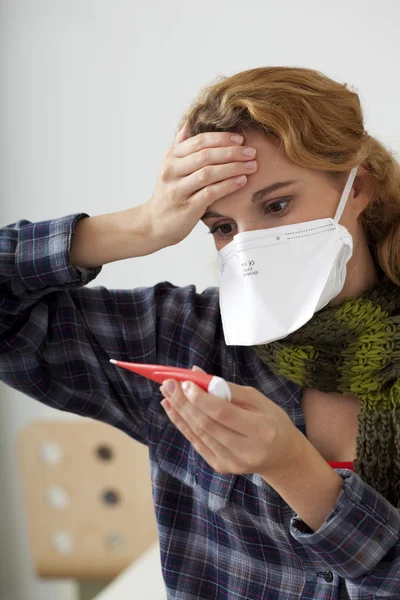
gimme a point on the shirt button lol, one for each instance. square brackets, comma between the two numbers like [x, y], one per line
[196, 476]
[328, 576]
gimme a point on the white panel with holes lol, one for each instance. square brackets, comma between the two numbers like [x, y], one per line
[88, 498]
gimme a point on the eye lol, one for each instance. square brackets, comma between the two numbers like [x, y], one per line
[278, 207]
[223, 231]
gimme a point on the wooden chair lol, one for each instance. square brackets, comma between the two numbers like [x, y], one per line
[88, 499]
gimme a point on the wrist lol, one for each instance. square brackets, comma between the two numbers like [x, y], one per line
[307, 483]
[111, 237]
[289, 461]
[137, 225]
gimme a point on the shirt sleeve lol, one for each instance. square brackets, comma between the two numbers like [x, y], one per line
[359, 540]
[57, 336]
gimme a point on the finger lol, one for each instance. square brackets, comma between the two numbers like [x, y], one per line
[234, 418]
[204, 187]
[218, 456]
[200, 181]
[246, 396]
[203, 425]
[209, 194]
[196, 368]
[209, 404]
[183, 133]
[209, 139]
[185, 429]
[242, 397]
[212, 156]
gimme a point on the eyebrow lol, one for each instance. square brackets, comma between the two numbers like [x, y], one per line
[257, 196]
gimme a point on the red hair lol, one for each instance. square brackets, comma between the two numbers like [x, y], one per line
[320, 124]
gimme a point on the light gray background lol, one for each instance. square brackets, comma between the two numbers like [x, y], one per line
[90, 95]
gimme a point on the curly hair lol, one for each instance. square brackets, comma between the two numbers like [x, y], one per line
[320, 124]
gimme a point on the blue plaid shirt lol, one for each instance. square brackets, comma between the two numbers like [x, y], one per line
[221, 536]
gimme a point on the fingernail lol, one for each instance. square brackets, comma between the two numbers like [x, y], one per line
[186, 387]
[250, 165]
[241, 179]
[166, 405]
[249, 151]
[168, 388]
[238, 139]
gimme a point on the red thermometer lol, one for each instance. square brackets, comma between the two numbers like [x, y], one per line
[209, 383]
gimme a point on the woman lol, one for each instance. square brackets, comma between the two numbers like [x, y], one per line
[247, 500]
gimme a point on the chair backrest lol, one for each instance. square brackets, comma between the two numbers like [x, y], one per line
[88, 498]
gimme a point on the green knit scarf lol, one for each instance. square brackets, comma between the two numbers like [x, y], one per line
[354, 348]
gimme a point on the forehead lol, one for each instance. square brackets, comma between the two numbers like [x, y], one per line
[271, 157]
[273, 166]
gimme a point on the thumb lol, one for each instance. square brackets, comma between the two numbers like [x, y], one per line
[244, 396]
[183, 133]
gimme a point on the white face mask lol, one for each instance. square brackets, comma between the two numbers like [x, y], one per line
[272, 281]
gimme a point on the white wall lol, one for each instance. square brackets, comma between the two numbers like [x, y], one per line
[90, 95]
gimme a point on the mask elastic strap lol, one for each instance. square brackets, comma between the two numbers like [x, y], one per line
[345, 194]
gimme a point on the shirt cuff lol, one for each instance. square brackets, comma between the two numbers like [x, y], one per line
[360, 530]
[42, 255]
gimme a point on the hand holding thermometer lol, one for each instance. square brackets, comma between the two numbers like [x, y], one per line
[209, 383]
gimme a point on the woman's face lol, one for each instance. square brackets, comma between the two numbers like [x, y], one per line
[282, 193]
